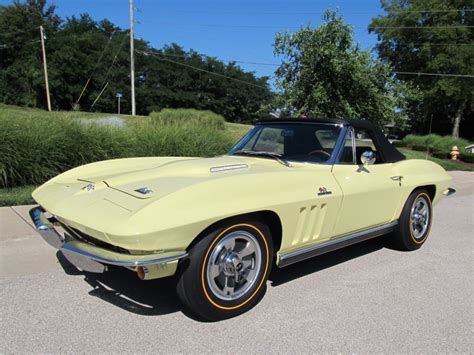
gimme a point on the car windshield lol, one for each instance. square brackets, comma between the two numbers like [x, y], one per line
[298, 142]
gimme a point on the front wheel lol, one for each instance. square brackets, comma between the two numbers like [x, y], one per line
[415, 221]
[227, 270]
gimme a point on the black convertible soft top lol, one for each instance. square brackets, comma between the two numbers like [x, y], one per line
[387, 150]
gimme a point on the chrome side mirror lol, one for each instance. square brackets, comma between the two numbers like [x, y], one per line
[368, 157]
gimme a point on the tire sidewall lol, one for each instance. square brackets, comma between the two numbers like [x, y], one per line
[199, 296]
[409, 239]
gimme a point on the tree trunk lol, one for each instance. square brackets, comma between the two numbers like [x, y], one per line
[457, 120]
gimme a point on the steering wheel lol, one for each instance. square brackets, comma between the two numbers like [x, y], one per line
[319, 151]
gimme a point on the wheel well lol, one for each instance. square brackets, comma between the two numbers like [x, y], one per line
[270, 218]
[431, 190]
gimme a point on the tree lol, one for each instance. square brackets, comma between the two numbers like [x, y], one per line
[324, 73]
[21, 75]
[86, 56]
[172, 77]
[430, 36]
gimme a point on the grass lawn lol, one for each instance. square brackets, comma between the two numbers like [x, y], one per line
[445, 163]
[16, 196]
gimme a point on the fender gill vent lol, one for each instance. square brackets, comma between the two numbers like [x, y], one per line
[218, 169]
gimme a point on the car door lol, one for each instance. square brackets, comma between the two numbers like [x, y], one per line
[370, 192]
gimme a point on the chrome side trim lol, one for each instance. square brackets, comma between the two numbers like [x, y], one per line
[100, 259]
[334, 244]
[450, 191]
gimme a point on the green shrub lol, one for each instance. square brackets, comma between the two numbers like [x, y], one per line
[186, 117]
[467, 157]
[419, 148]
[440, 154]
[34, 149]
[434, 142]
[399, 144]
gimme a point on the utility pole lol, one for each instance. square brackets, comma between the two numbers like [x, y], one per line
[45, 67]
[132, 60]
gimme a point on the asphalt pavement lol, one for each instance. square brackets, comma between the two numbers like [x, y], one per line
[362, 299]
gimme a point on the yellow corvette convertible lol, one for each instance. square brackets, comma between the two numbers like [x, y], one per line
[288, 191]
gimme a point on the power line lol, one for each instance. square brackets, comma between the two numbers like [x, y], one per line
[232, 60]
[435, 74]
[418, 27]
[108, 71]
[220, 59]
[95, 66]
[201, 70]
[312, 12]
[441, 44]
[303, 26]
[276, 65]
[16, 31]
[25, 43]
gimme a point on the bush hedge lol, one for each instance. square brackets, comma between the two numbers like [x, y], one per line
[34, 149]
[434, 142]
[467, 157]
[188, 117]
[439, 147]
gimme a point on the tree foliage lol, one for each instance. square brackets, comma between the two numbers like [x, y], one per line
[440, 43]
[324, 73]
[83, 53]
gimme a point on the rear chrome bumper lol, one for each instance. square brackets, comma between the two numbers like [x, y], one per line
[450, 191]
[89, 257]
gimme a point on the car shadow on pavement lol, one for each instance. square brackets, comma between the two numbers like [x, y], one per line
[319, 263]
[124, 289]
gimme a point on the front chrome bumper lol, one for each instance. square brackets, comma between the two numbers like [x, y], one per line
[92, 258]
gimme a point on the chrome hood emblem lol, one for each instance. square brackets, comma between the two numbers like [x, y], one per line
[89, 187]
[144, 190]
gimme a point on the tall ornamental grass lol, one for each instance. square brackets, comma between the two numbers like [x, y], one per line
[188, 117]
[34, 149]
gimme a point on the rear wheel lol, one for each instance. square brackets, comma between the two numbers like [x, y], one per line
[227, 270]
[415, 221]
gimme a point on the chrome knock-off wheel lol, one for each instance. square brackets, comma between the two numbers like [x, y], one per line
[420, 217]
[234, 265]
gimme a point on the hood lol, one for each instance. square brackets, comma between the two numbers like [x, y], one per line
[158, 181]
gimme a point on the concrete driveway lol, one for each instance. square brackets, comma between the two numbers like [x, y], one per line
[365, 298]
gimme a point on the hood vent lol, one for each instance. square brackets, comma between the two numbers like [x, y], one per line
[220, 169]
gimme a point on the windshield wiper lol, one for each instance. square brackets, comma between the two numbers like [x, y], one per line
[276, 156]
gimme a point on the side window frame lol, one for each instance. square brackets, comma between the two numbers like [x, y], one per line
[349, 131]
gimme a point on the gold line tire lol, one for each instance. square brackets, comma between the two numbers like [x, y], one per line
[414, 224]
[226, 271]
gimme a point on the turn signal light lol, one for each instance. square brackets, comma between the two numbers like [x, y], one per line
[141, 273]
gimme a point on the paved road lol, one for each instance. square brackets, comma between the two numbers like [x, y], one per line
[365, 298]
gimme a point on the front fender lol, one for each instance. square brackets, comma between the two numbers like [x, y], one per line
[172, 222]
[417, 173]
